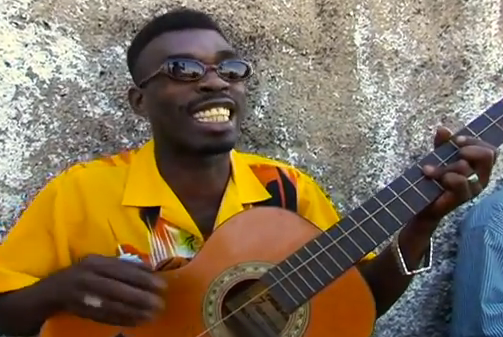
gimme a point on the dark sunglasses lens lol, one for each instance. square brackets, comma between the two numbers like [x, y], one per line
[185, 70]
[234, 70]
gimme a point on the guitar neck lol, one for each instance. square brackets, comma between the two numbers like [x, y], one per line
[322, 260]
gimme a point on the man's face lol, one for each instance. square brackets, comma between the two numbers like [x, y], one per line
[201, 116]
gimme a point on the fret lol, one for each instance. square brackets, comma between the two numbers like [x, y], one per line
[384, 196]
[498, 121]
[441, 161]
[348, 225]
[432, 159]
[321, 249]
[322, 259]
[371, 215]
[398, 207]
[433, 181]
[493, 134]
[340, 253]
[340, 249]
[299, 274]
[279, 290]
[336, 238]
[369, 224]
[467, 132]
[318, 261]
[344, 243]
[316, 274]
[370, 206]
[312, 277]
[398, 186]
[454, 144]
[339, 246]
[375, 225]
[478, 125]
[361, 229]
[352, 236]
[326, 257]
[400, 210]
[417, 201]
[431, 189]
[445, 151]
[358, 215]
[292, 278]
[311, 272]
[403, 190]
[396, 218]
[414, 188]
[326, 254]
[495, 112]
[414, 174]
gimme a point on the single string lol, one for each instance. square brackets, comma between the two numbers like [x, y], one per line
[493, 122]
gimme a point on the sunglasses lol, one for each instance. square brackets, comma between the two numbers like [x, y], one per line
[190, 70]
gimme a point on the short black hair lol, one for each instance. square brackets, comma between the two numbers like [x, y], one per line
[174, 20]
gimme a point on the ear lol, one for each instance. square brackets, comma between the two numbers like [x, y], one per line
[137, 101]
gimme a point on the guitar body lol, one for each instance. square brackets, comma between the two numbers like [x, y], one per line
[240, 250]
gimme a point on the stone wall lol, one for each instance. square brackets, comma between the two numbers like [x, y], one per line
[349, 90]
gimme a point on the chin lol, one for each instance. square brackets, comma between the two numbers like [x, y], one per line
[214, 149]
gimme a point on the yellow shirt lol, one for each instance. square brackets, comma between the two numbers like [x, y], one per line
[94, 208]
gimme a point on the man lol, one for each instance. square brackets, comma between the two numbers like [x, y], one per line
[190, 85]
[478, 278]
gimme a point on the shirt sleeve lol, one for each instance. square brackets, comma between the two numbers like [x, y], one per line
[35, 246]
[478, 277]
[314, 205]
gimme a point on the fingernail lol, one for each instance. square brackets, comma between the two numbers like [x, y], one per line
[147, 315]
[160, 283]
[460, 139]
[428, 169]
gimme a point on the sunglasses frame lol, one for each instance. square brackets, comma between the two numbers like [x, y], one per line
[163, 69]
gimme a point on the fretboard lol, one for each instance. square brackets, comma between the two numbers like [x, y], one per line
[321, 261]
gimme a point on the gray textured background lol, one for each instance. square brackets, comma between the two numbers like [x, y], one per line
[349, 90]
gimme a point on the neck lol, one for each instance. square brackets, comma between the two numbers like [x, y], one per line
[187, 172]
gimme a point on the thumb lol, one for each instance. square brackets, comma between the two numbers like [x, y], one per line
[442, 136]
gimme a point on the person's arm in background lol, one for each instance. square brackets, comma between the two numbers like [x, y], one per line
[478, 277]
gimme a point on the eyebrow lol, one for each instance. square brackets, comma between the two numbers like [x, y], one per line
[220, 55]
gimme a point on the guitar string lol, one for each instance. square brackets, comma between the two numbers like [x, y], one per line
[493, 122]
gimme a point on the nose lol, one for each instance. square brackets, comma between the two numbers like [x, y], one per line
[211, 82]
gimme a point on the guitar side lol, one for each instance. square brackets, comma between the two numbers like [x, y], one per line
[243, 248]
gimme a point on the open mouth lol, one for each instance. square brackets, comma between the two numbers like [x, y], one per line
[213, 115]
[215, 111]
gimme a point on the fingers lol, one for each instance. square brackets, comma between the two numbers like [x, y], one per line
[442, 135]
[453, 178]
[117, 291]
[118, 303]
[481, 159]
[127, 272]
[112, 313]
[480, 155]
[458, 185]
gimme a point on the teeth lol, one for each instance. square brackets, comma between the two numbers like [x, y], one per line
[214, 115]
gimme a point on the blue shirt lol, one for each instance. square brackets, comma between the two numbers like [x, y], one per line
[478, 278]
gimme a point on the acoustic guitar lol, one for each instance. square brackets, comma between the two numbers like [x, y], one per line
[267, 272]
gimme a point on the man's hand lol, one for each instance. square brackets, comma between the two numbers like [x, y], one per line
[108, 290]
[476, 157]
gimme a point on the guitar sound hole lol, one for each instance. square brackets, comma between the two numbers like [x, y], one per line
[261, 317]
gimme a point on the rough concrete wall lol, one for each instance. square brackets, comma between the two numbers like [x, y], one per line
[350, 90]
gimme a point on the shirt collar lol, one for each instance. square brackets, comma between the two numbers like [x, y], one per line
[145, 187]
